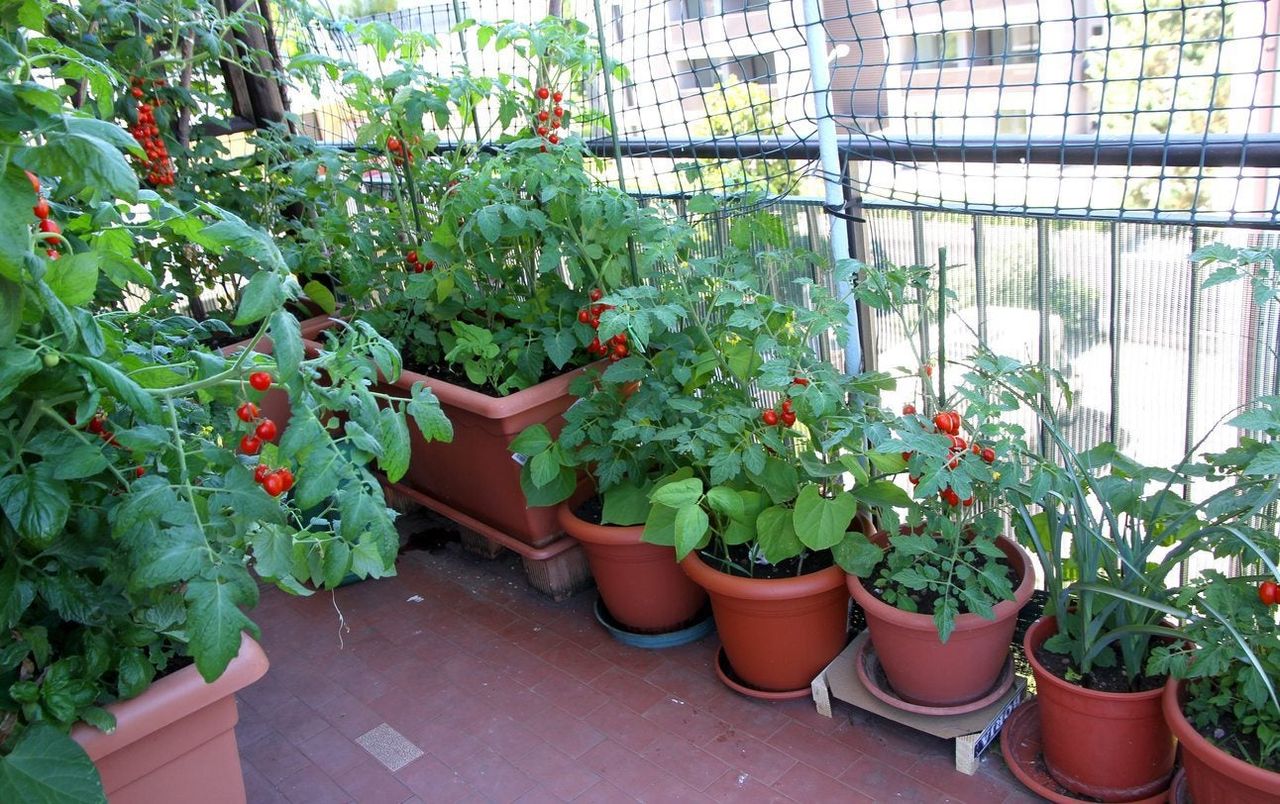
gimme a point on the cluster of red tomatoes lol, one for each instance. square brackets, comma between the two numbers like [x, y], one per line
[276, 481]
[415, 265]
[550, 116]
[617, 347]
[400, 152]
[948, 423]
[41, 211]
[160, 172]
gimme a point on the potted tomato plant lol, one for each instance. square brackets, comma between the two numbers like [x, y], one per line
[759, 432]
[141, 490]
[1220, 699]
[489, 290]
[941, 586]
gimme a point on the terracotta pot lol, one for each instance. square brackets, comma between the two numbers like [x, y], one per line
[641, 584]
[177, 740]
[1113, 746]
[1213, 775]
[476, 473]
[920, 667]
[779, 633]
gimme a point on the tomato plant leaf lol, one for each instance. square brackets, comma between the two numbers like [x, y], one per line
[35, 505]
[182, 553]
[337, 562]
[264, 293]
[121, 387]
[16, 199]
[16, 365]
[395, 444]
[532, 440]
[82, 161]
[286, 344]
[49, 767]
[321, 295]
[856, 555]
[214, 623]
[432, 422]
[16, 595]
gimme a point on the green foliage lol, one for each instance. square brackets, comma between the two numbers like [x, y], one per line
[738, 109]
[131, 528]
[1231, 661]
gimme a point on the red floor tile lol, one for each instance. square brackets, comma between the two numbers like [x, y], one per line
[516, 698]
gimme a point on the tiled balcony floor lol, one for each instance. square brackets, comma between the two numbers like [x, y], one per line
[511, 697]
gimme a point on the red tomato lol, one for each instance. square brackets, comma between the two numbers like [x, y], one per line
[1269, 593]
[250, 445]
[544, 93]
[769, 417]
[260, 380]
[908, 409]
[266, 430]
[260, 472]
[273, 484]
[247, 412]
[788, 418]
[41, 209]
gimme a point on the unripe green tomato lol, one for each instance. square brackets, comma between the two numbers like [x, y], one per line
[50, 359]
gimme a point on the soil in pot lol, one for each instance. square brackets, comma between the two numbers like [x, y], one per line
[642, 586]
[1213, 774]
[925, 671]
[1112, 746]
[777, 633]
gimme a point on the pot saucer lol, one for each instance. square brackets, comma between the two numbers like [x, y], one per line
[703, 623]
[730, 679]
[1020, 745]
[873, 677]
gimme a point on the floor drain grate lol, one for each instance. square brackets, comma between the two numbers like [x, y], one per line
[389, 746]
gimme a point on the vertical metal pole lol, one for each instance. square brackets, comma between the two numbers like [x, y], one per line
[1193, 370]
[613, 128]
[858, 251]
[829, 158]
[1042, 303]
[922, 294]
[980, 276]
[1113, 428]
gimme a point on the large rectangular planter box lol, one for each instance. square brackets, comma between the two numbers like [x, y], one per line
[476, 473]
[176, 741]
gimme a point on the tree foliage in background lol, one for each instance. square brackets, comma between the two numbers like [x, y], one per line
[1159, 73]
[737, 109]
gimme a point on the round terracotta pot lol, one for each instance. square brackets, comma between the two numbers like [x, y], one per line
[778, 633]
[926, 671]
[1213, 775]
[641, 584]
[1113, 746]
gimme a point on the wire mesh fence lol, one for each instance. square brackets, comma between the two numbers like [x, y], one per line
[1120, 109]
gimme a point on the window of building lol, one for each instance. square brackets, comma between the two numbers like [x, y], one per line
[932, 49]
[1011, 45]
[1012, 121]
[758, 69]
[745, 5]
[696, 73]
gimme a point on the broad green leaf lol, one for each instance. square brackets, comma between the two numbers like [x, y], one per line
[337, 562]
[272, 551]
[16, 594]
[395, 444]
[432, 422]
[181, 553]
[779, 480]
[74, 278]
[46, 766]
[35, 505]
[882, 494]
[625, 504]
[286, 344]
[776, 534]
[214, 623]
[319, 476]
[263, 295]
[321, 295]
[83, 162]
[121, 387]
[16, 200]
[726, 501]
[16, 365]
[362, 439]
[10, 304]
[678, 494]
[660, 526]
[545, 467]
[821, 523]
[691, 526]
[856, 555]
[703, 203]
[532, 440]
